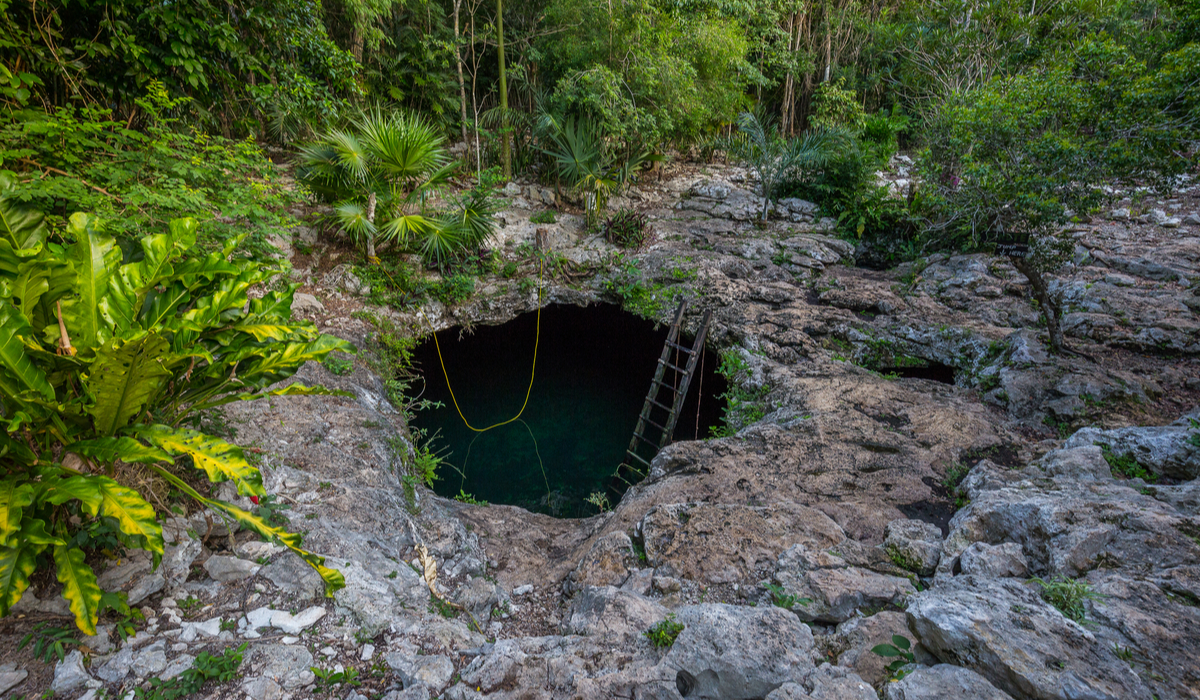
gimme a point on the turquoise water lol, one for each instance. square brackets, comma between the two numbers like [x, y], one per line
[594, 368]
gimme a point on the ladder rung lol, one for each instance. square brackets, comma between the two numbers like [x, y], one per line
[664, 363]
[669, 386]
[635, 456]
[643, 439]
[684, 348]
[656, 425]
[665, 408]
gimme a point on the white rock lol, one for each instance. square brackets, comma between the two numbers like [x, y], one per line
[368, 652]
[69, 673]
[294, 624]
[229, 569]
[523, 590]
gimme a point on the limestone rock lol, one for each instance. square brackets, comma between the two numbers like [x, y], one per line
[732, 652]
[721, 543]
[789, 691]
[829, 682]
[996, 561]
[150, 661]
[942, 682]
[1003, 631]
[287, 623]
[294, 577]
[478, 596]
[11, 677]
[225, 569]
[611, 615]
[861, 634]
[287, 666]
[433, 672]
[606, 563]
[914, 545]
[1164, 450]
[69, 673]
[117, 667]
[306, 304]
[834, 588]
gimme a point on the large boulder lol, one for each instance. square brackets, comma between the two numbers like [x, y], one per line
[835, 591]
[914, 545]
[611, 615]
[943, 682]
[735, 653]
[1003, 630]
[1165, 450]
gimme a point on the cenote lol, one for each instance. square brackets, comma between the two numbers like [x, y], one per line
[594, 367]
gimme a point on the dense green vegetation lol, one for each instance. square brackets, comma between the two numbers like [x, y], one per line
[138, 204]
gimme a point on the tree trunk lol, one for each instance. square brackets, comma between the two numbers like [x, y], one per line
[370, 234]
[505, 155]
[462, 88]
[1050, 307]
[789, 85]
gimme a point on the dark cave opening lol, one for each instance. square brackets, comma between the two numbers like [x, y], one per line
[594, 367]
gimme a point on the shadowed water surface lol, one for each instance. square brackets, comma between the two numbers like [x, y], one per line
[593, 370]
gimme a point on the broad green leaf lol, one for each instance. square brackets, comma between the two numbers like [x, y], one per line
[16, 566]
[134, 515]
[121, 304]
[289, 390]
[79, 587]
[21, 371]
[265, 331]
[885, 650]
[901, 642]
[217, 458]
[163, 305]
[34, 531]
[95, 257]
[109, 449]
[14, 496]
[21, 226]
[125, 377]
[183, 233]
[333, 579]
[13, 450]
[283, 362]
[31, 283]
[85, 489]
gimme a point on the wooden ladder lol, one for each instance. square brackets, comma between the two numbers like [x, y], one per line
[676, 393]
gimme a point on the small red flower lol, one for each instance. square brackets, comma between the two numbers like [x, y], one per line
[254, 499]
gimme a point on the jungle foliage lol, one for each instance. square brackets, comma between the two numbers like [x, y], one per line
[105, 356]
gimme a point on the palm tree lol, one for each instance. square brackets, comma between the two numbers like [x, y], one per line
[381, 172]
[775, 158]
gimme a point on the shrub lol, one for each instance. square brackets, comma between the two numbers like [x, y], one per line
[664, 634]
[627, 229]
[1068, 595]
[103, 355]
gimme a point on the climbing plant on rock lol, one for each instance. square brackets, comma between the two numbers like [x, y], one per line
[104, 354]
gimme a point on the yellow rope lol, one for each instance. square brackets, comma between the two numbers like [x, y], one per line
[532, 371]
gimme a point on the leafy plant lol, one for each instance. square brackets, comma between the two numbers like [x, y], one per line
[577, 149]
[627, 229]
[664, 634]
[901, 649]
[327, 678]
[1068, 595]
[102, 356]
[743, 404]
[1126, 465]
[775, 158]
[51, 642]
[464, 497]
[339, 366]
[271, 510]
[188, 605]
[600, 500]
[207, 667]
[780, 598]
[385, 167]
[543, 217]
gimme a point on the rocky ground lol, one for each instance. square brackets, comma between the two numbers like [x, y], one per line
[856, 505]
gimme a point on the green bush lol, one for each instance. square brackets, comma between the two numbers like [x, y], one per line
[664, 634]
[103, 355]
